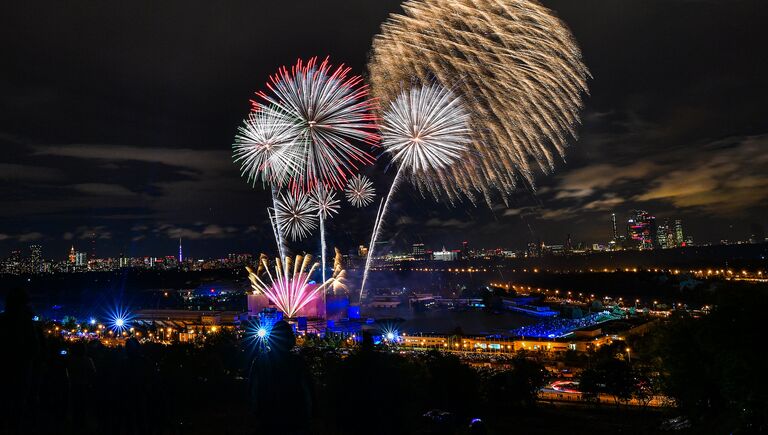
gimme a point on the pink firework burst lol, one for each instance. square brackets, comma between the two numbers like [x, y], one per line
[289, 287]
[332, 114]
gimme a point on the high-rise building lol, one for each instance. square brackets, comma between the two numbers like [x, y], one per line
[181, 257]
[661, 236]
[679, 238]
[641, 227]
[35, 264]
[418, 250]
[613, 227]
[81, 259]
[665, 236]
[362, 251]
[72, 254]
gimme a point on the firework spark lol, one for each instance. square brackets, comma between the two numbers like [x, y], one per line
[331, 110]
[325, 202]
[360, 191]
[263, 147]
[295, 215]
[516, 67]
[289, 287]
[425, 129]
[338, 281]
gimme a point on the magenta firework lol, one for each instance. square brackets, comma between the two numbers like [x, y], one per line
[288, 285]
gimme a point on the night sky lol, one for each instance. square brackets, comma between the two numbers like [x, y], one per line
[117, 118]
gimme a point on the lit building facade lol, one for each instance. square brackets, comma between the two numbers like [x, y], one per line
[641, 227]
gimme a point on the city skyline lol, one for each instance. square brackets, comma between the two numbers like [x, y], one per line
[141, 155]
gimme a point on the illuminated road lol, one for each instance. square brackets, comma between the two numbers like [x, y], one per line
[553, 395]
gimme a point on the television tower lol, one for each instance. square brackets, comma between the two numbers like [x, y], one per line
[181, 257]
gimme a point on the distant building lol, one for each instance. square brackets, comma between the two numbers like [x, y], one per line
[35, 263]
[81, 259]
[445, 255]
[665, 236]
[641, 228]
[614, 231]
[679, 238]
[418, 249]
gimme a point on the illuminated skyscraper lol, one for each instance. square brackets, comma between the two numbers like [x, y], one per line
[35, 264]
[641, 227]
[418, 249]
[181, 257]
[665, 236]
[679, 239]
[81, 259]
[72, 256]
[613, 225]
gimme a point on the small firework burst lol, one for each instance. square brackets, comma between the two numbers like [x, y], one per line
[324, 200]
[360, 191]
[263, 147]
[296, 216]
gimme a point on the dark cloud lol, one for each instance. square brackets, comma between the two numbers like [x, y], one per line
[117, 118]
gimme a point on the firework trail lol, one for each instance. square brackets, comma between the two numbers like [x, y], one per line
[289, 288]
[360, 191]
[295, 215]
[326, 204]
[425, 130]
[516, 67]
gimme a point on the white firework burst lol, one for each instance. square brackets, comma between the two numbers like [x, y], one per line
[325, 202]
[426, 129]
[296, 215]
[331, 111]
[360, 191]
[263, 146]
